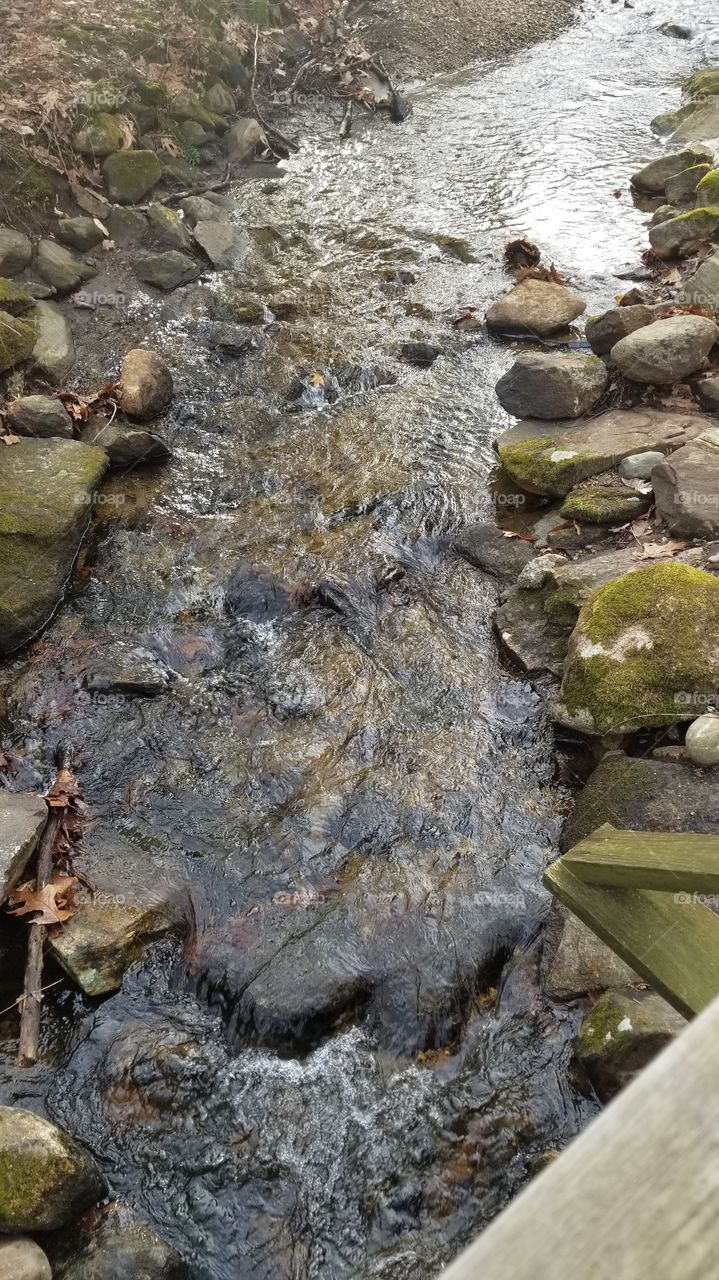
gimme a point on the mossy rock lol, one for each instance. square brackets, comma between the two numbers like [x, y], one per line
[679, 237]
[13, 298]
[152, 92]
[708, 190]
[131, 174]
[17, 339]
[621, 1035]
[187, 106]
[644, 647]
[46, 1179]
[604, 502]
[100, 137]
[704, 84]
[78, 39]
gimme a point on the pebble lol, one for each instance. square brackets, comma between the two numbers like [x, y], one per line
[702, 740]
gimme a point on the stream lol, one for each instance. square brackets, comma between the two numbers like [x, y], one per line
[351, 1067]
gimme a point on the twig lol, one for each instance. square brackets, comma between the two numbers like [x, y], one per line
[346, 126]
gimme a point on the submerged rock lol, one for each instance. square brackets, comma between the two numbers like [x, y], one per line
[130, 669]
[22, 1259]
[125, 446]
[702, 740]
[535, 307]
[553, 386]
[22, 818]
[653, 178]
[681, 236]
[145, 384]
[621, 1035]
[666, 351]
[130, 175]
[576, 961]
[54, 350]
[48, 1179]
[527, 634]
[605, 331]
[15, 251]
[60, 268]
[686, 487]
[115, 1245]
[39, 416]
[167, 270]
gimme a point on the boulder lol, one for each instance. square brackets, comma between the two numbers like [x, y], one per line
[17, 339]
[552, 459]
[54, 350]
[705, 390]
[115, 1245]
[486, 547]
[80, 233]
[575, 961]
[220, 100]
[15, 251]
[575, 581]
[663, 214]
[556, 385]
[145, 385]
[14, 298]
[639, 466]
[168, 230]
[226, 246]
[243, 138]
[702, 740]
[621, 1035]
[666, 351]
[199, 209]
[682, 188]
[653, 178]
[187, 106]
[125, 446]
[167, 270]
[22, 1259]
[194, 133]
[48, 1179]
[60, 268]
[681, 236]
[604, 500]
[100, 137]
[46, 491]
[707, 192]
[22, 818]
[675, 30]
[535, 307]
[130, 175]
[538, 571]
[39, 416]
[696, 122]
[686, 487]
[643, 648]
[605, 331]
[702, 288]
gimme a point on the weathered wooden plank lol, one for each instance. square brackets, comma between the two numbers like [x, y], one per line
[669, 939]
[665, 860]
[634, 1196]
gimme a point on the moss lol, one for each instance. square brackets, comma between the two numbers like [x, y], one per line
[708, 190]
[187, 106]
[24, 1184]
[79, 40]
[131, 174]
[529, 463]
[29, 183]
[619, 787]
[17, 339]
[602, 504]
[698, 216]
[13, 297]
[702, 84]
[563, 606]
[100, 137]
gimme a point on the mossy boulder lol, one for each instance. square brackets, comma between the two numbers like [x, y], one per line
[707, 191]
[604, 500]
[168, 230]
[643, 649]
[17, 339]
[131, 174]
[15, 251]
[46, 491]
[100, 137]
[652, 179]
[60, 268]
[621, 1035]
[46, 1178]
[681, 236]
[13, 298]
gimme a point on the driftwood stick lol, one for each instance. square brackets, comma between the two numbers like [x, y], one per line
[30, 1017]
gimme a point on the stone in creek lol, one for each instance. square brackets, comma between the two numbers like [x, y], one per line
[168, 230]
[124, 668]
[80, 233]
[526, 633]
[702, 288]
[486, 547]
[575, 961]
[666, 351]
[48, 1179]
[705, 390]
[653, 178]
[702, 740]
[15, 252]
[682, 188]
[639, 466]
[605, 331]
[60, 268]
[54, 350]
[22, 1259]
[675, 31]
[17, 339]
[553, 458]
[551, 386]
[697, 122]
[535, 307]
[134, 904]
[199, 209]
[604, 500]
[664, 213]
[145, 384]
[243, 138]
[130, 175]
[226, 246]
[621, 1035]
[46, 491]
[39, 416]
[167, 270]
[125, 446]
[575, 581]
[422, 354]
[686, 487]
[22, 818]
[680, 237]
[115, 1245]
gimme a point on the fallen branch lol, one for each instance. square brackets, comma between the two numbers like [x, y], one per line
[346, 126]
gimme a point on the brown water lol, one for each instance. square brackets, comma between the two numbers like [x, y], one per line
[354, 1066]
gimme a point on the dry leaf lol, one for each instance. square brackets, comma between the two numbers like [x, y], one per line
[50, 905]
[660, 550]
[10, 438]
[317, 379]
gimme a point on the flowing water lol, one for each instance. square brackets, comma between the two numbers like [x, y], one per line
[351, 1066]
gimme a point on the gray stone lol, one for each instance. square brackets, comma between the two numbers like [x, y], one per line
[527, 635]
[127, 226]
[127, 668]
[242, 139]
[60, 268]
[557, 385]
[639, 466]
[130, 175]
[200, 209]
[168, 230]
[39, 416]
[167, 270]
[621, 1035]
[40, 292]
[605, 331]
[681, 236]
[682, 188]
[145, 384]
[535, 307]
[80, 233]
[705, 390]
[48, 1178]
[666, 351]
[486, 547]
[686, 487]
[116, 1245]
[675, 31]
[22, 1259]
[653, 178]
[702, 288]
[89, 201]
[15, 252]
[576, 962]
[226, 246]
[22, 818]
[697, 122]
[537, 572]
[125, 446]
[664, 213]
[702, 740]
[54, 350]
[220, 99]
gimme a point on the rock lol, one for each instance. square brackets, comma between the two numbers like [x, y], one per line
[557, 385]
[54, 349]
[15, 252]
[705, 390]
[199, 209]
[553, 459]
[635, 298]
[124, 668]
[124, 445]
[168, 230]
[702, 740]
[653, 178]
[639, 466]
[621, 1035]
[605, 331]
[80, 233]
[226, 246]
[48, 1179]
[537, 572]
[39, 416]
[604, 500]
[707, 192]
[535, 307]
[194, 133]
[129, 175]
[14, 298]
[666, 351]
[421, 354]
[220, 100]
[243, 137]
[682, 188]
[702, 288]
[702, 84]
[486, 547]
[643, 648]
[17, 339]
[129, 910]
[22, 1259]
[39, 292]
[676, 31]
[576, 962]
[22, 818]
[127, 226]
[663, 214]
[681, 236]
[526, 633]
[46, 490]
[696, 122]
[145, 384]
[686, 487]
[116, 1245]
[575, 581]
[637, 794]
[60, 268]
[167, 270]
[187, 106]
[100, 137]
[89, 201]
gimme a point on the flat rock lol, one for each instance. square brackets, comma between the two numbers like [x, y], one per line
[557, 385]
[528, 635]
[686, 487]
[127, 226]
[125, 446]
[145, 384]
[22, 1259]
[621, 1035]
[653, 178]
[605, 331]
[46, 491]
[39, 416]
[575, 961]
[552, 458]
[486, 547]
[167, 270]
[226, 246]
[681, 236]
[54, 350]
[199, 209]
[535, 307]
[48, 1178]
[702, 288]
[666, 351]
[15, 251]
[60, 268]
[115, 1245]
[604, 500]
[22, 818]
[80, 233]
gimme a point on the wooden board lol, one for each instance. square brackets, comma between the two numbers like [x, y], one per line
[664, 860]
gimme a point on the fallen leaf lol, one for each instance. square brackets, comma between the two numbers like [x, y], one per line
[10, 438]
[660, 550]
[50, 905]
[317, 379]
